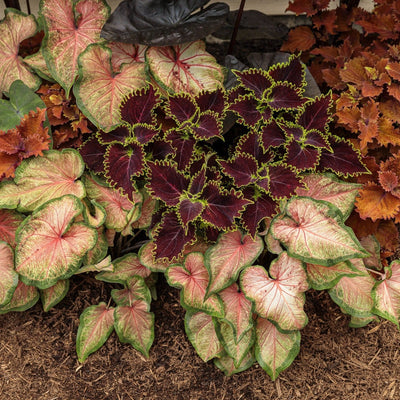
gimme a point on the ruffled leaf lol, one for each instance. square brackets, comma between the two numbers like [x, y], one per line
[242, 168]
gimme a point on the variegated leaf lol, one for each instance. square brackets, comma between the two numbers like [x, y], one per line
[24, 297]
[10, 220]
[54, 294]
[226, 364]
[135, 289]
[8, 277]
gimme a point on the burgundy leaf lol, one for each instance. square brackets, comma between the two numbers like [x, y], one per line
[118, 134]
[235, 93]
[316, 139]
[214, 101]
[184, 149]
[293, 131]
[189, 210]
[145, 133]
[282, 181]
[171, 237]
[92, 153]
[198, 181]
[250, 144]
[246, 108]
[255, 80]
[222, 207]
[283, 96]
[291, 72]
[272, 135]
[242, 169]
[344, 159]
[159, 149]
[315, 114]
[166, 182]
[208, 126]
[181, 107]
[301, 157]
[139, 106]
[124, 162]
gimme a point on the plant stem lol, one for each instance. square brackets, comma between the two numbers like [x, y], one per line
[236, 27]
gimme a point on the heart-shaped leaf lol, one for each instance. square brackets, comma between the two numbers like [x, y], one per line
[199, 328]
[135, 289]
[193, 278]
[279, 296]
[99, 90]
[54, 294]
[95, 326]
[227, 364]
[70, 27]
[40, 179]
[50, 246]
[14, 28]
[8, 277]
[135, 325]
[24, 297]
[275, 350]
[314, 232]
[232, 252]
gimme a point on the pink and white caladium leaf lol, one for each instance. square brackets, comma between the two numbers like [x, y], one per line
[314, 232]
[40, 179]
[24, 297]
[95, 326]
[275, 350]
[147, 258]
[95, 257]
[135, 289]
[104, 265]
[184, 68]
[50, 245]
[70, 27]
[93, 213]
[147, 210]
[54, 294]
[117, 207]
[14, 28]
[126, 53]
[224, 260]
[386, 294]
[354, 294]
[227, 364]
[134, 324]
[8, 277]
[238, 311]
[192, 277]
[237, 350]
[200, 330]
[329, 188]
[99, 90]
[10, 220]
[321, 277]
[125, 268]
[279, 295]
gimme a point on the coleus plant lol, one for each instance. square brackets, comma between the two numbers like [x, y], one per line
[362, 69]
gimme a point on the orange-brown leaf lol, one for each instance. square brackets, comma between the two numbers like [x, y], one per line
[394, 90]
[310, 7]
[390, 109]
[354, 71]
[8, 163]
[387, 133]
[10, 142]
[389, 182]
[368, 124]
[388, 236]
[300, 38]
[393, 69]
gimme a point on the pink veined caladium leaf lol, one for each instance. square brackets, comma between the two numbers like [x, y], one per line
[274, 350]
[227, 364]
[314, 232]
[99, 90]
[135, 325]
[386, 294]
[126, 53]
[95, 259]
[93, 213]
[8, 277]
[238, 311]
[125, 268]
[147, 258]
[40, 179]
[224, 260]
[103, 265]
[279, 296]
[50, 245]
[329, 188]
[135, 289]
[24, 297]
[354, 294]
[117, 207]
[54, 294]
[10, 220]
[192, 278]
[14, 28]
[185, 68]
[69, 28]
[199, 328]
[237, 350]
[95, 326]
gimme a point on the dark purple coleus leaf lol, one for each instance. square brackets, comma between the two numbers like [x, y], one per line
[184, 148]
[222, 206]
[171, 237]
[198, 181]
[235, 93]
[263, 206]
[145, 133]
[181, 107]
[189, 210]
[343, 160]
[122, 164]
[242, 169]
[255, 80]
[246, 107]
[285, 96]
[166, 182]
[292, 71]
[92, 153]
[211, 101]
[250, 144]
[316, 139]
[272, 135]
[208, 126]
[159, 150]
[119, 134]
[315, 113]
[302, 157]
[139, 107]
